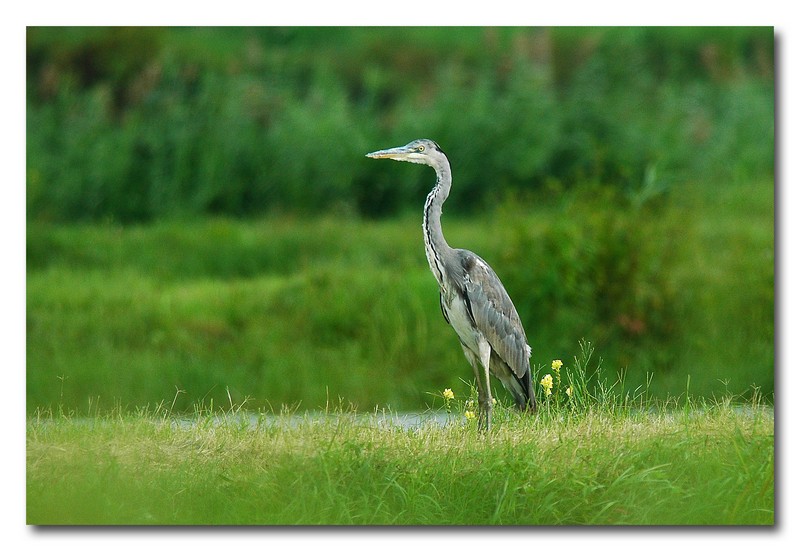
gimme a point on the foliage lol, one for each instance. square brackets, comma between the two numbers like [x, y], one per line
[604, 267]
[294, 311]
[628, 174]
[147, 123]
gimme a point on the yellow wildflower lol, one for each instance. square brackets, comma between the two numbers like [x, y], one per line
[569, 391]
[547, 384]
[557, 365]
[469, 414]
[448, 394]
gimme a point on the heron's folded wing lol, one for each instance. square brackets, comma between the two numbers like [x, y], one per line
[495, 315]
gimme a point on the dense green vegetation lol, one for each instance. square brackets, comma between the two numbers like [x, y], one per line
[291, 311]
[201, 215]
[139, 124]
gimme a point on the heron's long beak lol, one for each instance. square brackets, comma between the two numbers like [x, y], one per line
[397, 153]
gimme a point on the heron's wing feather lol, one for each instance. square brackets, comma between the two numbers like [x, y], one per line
[495, 315]
[444, 310]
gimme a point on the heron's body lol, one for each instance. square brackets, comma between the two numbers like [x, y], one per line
[473, 300]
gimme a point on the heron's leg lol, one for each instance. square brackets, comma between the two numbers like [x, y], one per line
[484, 394]
[485, 397]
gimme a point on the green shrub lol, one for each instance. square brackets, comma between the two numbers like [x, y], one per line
[600, 268]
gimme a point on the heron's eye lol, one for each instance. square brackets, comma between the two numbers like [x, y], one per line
[420, 148]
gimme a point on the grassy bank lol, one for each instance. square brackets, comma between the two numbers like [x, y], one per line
[704, 464]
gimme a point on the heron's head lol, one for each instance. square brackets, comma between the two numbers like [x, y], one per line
[425, 152]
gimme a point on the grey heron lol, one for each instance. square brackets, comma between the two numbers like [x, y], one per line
[472, 298]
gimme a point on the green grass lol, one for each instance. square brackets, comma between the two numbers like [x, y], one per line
[298, 311]
[699, 465]
[283, 312]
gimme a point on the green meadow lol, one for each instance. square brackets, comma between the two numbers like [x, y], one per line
[224, 297]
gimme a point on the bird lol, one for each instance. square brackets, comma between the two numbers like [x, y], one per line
[471, 296]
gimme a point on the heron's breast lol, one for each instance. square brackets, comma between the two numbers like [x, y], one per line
[461, 321]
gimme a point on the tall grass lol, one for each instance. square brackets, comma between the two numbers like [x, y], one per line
[294, 311]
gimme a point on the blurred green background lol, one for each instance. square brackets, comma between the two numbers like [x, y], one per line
[202, 223]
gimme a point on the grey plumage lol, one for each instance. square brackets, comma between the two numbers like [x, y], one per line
[473, 300]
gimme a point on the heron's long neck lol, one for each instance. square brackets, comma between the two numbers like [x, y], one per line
[436, 247]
